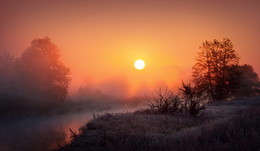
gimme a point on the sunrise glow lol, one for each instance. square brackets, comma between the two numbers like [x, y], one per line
[139, 64]
[129, 75]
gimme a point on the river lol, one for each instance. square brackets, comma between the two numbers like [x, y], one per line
[44, 133]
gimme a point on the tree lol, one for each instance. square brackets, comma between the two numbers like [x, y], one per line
[243, 81]
[210, 72]
[42, 76]
[7, 72]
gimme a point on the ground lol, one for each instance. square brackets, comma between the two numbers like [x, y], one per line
[225, 126]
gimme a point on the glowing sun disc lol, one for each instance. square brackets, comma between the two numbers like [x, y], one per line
[139, 64]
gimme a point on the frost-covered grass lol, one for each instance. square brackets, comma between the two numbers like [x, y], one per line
[233, 125]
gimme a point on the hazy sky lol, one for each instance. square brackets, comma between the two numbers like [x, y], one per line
[101, 39]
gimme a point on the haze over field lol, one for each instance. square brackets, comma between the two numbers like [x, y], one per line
[100, 40]
[130, 74]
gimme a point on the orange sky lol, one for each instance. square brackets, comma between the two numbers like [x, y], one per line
[101, 39]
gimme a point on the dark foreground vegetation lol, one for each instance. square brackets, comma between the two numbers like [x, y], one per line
[224, 126]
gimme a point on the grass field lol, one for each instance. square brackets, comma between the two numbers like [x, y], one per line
[223, 126]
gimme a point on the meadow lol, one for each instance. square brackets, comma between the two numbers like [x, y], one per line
[232, 125]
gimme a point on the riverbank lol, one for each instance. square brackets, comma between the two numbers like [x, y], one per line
[233, 125]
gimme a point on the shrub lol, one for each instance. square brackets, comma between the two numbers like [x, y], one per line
[164, 102]
[192, 102]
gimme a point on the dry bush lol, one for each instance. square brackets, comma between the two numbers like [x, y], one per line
[164, 101]
[193, 103]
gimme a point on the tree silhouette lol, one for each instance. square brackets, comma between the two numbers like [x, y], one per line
[42, 75]
[243, 81]
[210, 72]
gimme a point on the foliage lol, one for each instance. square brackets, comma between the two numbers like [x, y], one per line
[210, 72]
[243, 81]
[7, 72]
[37, 75]
[41, 71]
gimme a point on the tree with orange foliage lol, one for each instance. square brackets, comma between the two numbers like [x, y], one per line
[42, 74]
[210, 72]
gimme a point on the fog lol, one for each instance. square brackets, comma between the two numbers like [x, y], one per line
[37, 109]
[43, 133]
[43, 126]
[48, 85]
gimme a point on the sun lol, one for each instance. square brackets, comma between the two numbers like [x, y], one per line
[139, 64]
